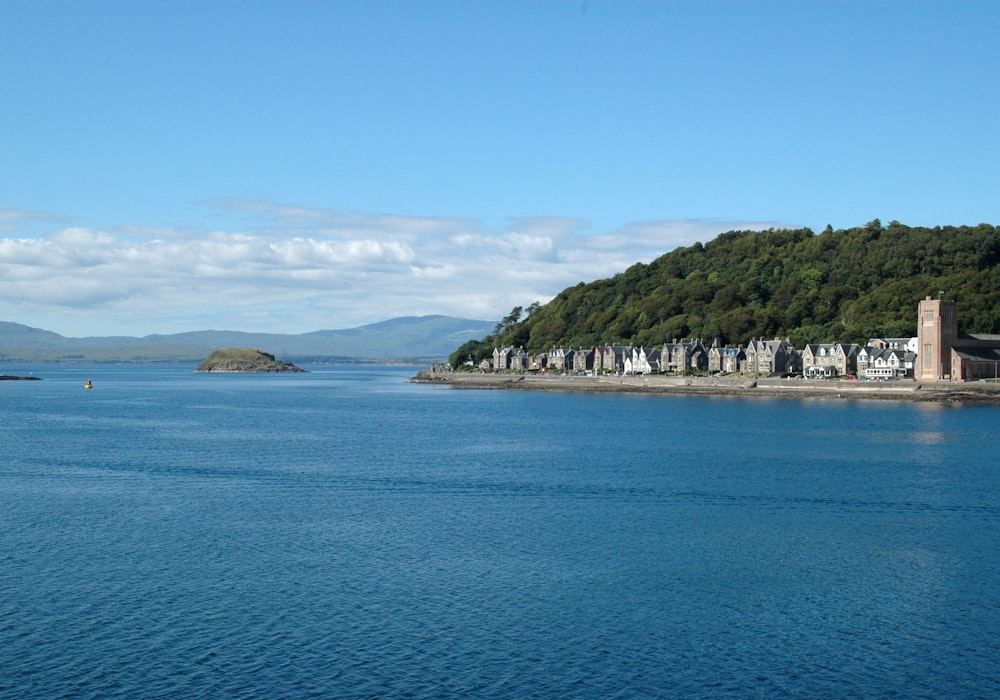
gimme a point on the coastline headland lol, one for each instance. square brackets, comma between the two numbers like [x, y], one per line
[769, 387]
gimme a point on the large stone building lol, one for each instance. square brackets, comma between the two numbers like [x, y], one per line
[943, 354]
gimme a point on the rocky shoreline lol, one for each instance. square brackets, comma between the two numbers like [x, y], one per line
[900, 390]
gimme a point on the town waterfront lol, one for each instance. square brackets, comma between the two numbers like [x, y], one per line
[344, 533]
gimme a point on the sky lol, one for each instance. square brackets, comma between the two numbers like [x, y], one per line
[280, 166]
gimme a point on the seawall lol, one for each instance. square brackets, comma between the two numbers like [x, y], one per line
[900, 390]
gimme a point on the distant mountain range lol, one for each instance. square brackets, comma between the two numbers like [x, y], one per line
[416, 339]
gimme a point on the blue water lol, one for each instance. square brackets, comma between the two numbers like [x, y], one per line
[345, 534]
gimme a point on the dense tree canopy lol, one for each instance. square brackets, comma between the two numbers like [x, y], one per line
[845, 285]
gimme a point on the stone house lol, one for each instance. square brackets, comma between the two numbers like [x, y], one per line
[538, 362]
[824, 360]
[683, 356]
[583, 359]
[501, 359]
[518, 360]
[865, 358]
[715, 357]
[726, 360]
[604, 359]
[734, 359]
[772, 357]
[557, 359]
[610, 358]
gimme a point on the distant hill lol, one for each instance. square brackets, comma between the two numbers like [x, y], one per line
[418, 339]
[837, 286]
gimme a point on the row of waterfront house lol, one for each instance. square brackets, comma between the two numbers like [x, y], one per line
[938, 352]
[882, 358]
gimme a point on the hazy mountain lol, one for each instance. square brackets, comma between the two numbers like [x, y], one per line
[414, 338]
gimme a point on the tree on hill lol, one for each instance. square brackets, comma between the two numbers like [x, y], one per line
[841, 285]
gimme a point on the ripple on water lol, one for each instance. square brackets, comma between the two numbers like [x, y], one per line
[319, 538]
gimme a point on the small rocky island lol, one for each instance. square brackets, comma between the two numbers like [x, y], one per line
[244, 360]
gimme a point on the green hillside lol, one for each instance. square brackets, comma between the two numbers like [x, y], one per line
[845, 285]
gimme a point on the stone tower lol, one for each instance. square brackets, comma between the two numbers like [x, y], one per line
[937, 330]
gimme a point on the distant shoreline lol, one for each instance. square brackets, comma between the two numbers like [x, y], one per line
[899, 390]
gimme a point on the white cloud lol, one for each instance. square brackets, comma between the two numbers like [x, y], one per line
[296, 269]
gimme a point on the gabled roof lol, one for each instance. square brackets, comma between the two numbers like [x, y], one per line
[887, 354]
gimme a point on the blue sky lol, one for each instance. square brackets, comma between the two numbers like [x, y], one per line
[295, 166]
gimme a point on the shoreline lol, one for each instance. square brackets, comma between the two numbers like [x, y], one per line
[897, 390]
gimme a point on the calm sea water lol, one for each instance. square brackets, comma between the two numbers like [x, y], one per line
[345, 534]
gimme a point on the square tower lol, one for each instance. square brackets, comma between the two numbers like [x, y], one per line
[937, 331]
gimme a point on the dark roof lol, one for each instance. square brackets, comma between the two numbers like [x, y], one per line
[978, 337]
[974, 353]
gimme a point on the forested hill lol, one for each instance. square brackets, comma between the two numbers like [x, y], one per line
[845, 285]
